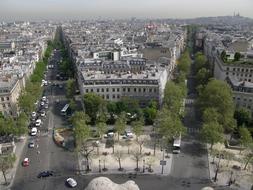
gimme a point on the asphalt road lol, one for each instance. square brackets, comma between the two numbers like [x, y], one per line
[47, 155]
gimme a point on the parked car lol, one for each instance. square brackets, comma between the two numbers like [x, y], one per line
[26, 162]
[45, 174]
[44, 98]
[43, 113]
[42, 103]
[46, 106]
[71, 182]
[38, 122]
[33, 114]
[34, 131]
[31, 144]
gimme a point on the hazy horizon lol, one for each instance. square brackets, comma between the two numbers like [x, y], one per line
[11, 10]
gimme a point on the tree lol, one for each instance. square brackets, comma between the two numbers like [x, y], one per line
[101, 128]
[173, 97]
[150, 113]
[93, 103]
[200, 61]
[120, 124]
[237, 56]
[72, 104]
[212, 133]
[6, 163]
[70, 88]
[209, 115]
[119, 156]
[137, 127]
[243, 116]
[248, 159]
[202, 76]
[21, 124]
[141, 142]
[137, 157]
[218, 95]
[169, 125]
[245, 137]
[184, 62]
[224, 56]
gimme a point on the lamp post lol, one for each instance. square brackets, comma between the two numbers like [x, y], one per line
[143, 165]
[99, 165]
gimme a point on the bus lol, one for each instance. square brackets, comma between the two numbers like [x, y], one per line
[177, 144]
[65, 110]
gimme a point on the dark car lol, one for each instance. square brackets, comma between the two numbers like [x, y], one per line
[45, 174]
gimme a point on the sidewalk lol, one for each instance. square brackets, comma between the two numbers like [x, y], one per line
[242, 178]
[12, 172]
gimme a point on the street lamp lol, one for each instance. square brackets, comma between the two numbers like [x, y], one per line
[143, 165]
[99, 165]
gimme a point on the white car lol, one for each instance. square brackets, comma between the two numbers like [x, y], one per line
[38, 122]
[44, 98]
[34, 114]
[42, 103]
[71, 182]
[46, 106]
[33, 131]
[43, 114]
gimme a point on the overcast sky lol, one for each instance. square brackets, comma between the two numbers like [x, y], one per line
[66, 9]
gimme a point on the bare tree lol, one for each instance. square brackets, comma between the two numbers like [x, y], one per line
[6, 162]
[119, 156]
[140, 142]
[137, 157]
[85, 150]
[150, 161]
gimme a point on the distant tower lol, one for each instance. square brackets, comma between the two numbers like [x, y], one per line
[150, 28]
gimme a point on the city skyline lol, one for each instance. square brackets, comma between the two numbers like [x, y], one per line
[82, 9]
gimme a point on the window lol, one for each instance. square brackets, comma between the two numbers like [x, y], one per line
[3, 105]
[91, 90]
[107, 89]
[124, 89]
[8, 98]
[139, 89]
[113, 96]
[118, 96]
[103, 96]
[227, 68]
[97, 89]
[107, 96]
[102, 90]
[113, 89]
[128, 89]
[87, 90]
[150, 90]
[9, 105]
[117, 89]
[154, 89]
[144, 89]
[134, 89]
[2, 99]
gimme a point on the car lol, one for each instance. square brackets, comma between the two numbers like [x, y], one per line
[26, 162]
[57, 101]
[46, 106]
[129, 134]
[42, 103]
[60, 86]
[44, 98]
[33, 114]
[31, 144]
[71, 182]
[45, 174]
[33, 131]
[43, 113]
[38, 122]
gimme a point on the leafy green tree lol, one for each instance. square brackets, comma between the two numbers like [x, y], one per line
[93, 103]
[120, 124]
[6, 163]
[101, 128]
[150, 112]
[72, 104]
[173, 97]
[184, 63]
[200, 61]
[210, 114]
[21, 124]
[245, 137]
[243, 116]
[218, 95]
[137, 127]
[212, 133]
[169, 125]
[202, 76]
[237, 56]
[79, 115]
[70, 88]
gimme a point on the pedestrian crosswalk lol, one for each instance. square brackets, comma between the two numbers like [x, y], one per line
[189, 101]
[193, 130]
